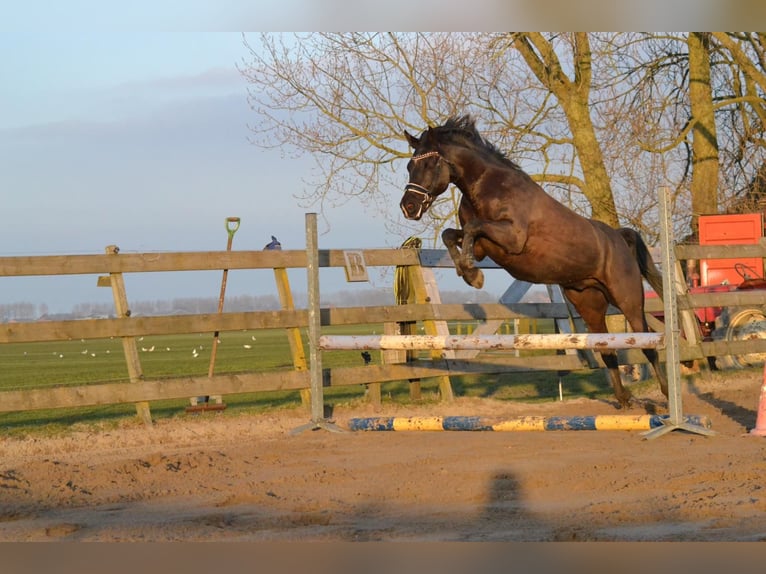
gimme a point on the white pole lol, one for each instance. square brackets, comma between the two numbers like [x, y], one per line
[494, 342]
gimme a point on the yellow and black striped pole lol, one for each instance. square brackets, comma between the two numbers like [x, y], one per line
[524, 423]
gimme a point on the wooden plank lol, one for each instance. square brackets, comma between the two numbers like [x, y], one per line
[231, 384]
[440, 258]
[754, 298]
[138, 326]
[372, 257]
[721, 348]
[684, 251]
[148, 262]
[424, 369]
[442, 312]
[209, 322]
[22, 266]
[150, 390]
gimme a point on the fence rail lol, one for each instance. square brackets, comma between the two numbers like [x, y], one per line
[393, 369]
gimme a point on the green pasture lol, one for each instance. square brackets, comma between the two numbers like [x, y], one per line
[79, 362]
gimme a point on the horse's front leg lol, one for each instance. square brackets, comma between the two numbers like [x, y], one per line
[455, 241]
[505, 234]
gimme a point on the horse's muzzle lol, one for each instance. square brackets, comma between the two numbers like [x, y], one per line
[416, 201]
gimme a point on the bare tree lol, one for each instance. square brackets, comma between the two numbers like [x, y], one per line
[687, 108]
[600, 120]
[573, 95]
[742, 65]
[347, 98]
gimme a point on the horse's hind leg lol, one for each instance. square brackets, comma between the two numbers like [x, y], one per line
[654, 360]
[637, 322]
[622, 394]
[592, 306]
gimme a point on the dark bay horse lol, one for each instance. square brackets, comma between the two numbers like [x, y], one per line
[507, 217]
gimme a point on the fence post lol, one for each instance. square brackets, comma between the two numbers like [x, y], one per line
[426, 291]
[135, 372]
[293, 333]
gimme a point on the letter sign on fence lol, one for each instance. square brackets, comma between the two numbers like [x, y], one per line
[356, 268]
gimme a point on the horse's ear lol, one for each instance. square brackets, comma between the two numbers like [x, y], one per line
[411, 139]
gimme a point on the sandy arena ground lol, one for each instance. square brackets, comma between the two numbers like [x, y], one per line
[217, 478]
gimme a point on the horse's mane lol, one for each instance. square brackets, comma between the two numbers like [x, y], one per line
[462, 130]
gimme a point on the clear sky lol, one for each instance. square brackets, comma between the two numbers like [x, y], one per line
[141, 140]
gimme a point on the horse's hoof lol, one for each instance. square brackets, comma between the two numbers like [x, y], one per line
[660, 410]
[624, 402]
[474, 277]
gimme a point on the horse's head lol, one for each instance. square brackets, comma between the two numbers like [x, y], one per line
[429, 175]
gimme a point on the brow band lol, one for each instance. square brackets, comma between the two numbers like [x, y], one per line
[425, 155]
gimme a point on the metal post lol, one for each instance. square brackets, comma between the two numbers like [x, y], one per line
[672, 330]
[314, 328]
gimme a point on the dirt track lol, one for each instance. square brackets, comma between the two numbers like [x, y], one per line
[216, 477]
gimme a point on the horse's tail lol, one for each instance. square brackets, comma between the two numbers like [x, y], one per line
[645, 262]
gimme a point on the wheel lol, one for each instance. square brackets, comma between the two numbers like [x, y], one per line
[747, 325]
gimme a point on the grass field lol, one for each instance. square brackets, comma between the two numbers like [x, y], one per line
[41, 365]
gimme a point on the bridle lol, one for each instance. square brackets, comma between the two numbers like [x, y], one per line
[426, 196]
[432, 153]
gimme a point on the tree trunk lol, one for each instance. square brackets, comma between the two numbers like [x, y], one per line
[573, 95]
[705, 166]
[598, 187]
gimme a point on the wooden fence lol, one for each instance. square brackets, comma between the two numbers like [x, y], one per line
[426, 310]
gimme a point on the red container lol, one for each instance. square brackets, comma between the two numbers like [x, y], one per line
[736, 229]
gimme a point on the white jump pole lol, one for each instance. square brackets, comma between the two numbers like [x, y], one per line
[596, 341]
